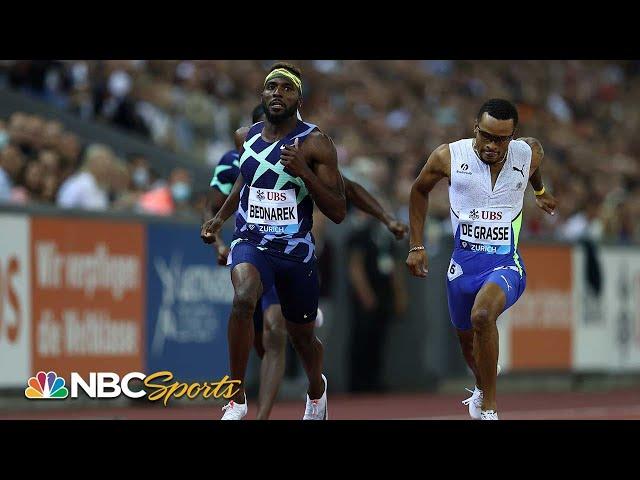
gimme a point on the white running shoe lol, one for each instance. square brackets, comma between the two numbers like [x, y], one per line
[475, 401]
[235, 411]
[317, 409]
[489, 415]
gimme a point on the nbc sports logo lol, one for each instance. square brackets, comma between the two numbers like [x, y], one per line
[46, 385]
[110, 385]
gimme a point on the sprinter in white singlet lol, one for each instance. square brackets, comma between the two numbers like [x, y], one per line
[488, 175]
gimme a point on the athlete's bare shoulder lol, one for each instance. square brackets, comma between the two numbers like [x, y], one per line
[240, 136]
[440, 160]
[437, 167]
[319, 146]
[318, 138]
[536, 146]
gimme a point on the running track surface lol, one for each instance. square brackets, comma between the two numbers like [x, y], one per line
[612, 405]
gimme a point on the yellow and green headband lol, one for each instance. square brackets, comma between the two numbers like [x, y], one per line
[282, 72]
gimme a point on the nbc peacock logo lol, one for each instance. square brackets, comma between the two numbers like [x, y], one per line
[45, 386]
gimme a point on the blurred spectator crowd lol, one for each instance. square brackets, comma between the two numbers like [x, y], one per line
[384, 116]
[41, 163]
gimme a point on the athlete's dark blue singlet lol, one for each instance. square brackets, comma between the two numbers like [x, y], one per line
[273, 224]
[275, 210]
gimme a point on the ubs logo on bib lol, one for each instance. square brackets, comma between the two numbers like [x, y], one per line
[276, 196]
[489, 215]
[272, 196]
[473, 215]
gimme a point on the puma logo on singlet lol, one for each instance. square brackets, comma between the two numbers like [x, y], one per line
[521, 170]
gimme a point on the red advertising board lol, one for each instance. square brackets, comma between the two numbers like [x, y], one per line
[88, 292]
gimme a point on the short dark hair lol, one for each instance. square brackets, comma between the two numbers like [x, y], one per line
[287, 66]
[257, 113]
[500, 109]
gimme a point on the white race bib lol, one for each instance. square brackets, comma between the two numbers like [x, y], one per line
[489, 227]
[272, 207]
[454, 271]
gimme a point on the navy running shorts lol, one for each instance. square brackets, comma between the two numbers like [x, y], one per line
[296, 283]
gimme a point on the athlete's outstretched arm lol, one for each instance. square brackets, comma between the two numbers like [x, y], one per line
[545, 201]
[322, 178]
[210, 228]
[364, 201]
[230, 205]
[215, 200]
[438, 166]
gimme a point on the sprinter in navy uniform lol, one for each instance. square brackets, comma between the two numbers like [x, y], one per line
[285, 166]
